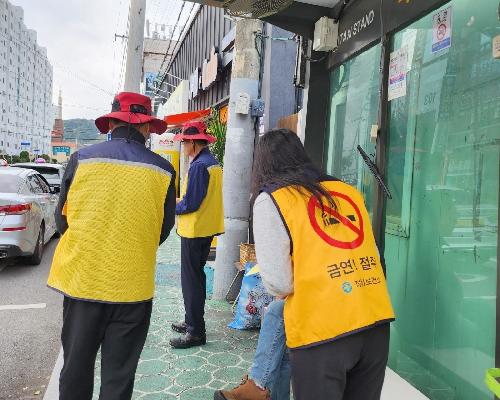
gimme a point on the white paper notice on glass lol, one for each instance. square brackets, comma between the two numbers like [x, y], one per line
[441, 30]
[398, 67]
[410, 40]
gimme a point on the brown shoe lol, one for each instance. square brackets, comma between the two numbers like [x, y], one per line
[247, 390]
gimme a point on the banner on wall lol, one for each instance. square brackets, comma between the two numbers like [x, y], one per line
[441, 30]
[150, 77]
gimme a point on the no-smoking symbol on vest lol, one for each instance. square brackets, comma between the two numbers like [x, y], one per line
[341, 227]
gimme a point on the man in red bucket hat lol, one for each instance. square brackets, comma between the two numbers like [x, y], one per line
[116, 206]
[200, 218]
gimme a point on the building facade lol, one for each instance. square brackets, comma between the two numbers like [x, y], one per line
[417, 86]
[26, 111]
[209, 31]
[203, 60]
[198, 75]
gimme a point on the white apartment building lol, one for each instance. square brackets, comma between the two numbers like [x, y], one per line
[26, 110]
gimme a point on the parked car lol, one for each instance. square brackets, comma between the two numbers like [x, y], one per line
[27, 207]
[53, 173]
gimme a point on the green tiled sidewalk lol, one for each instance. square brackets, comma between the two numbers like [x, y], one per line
[192, 374]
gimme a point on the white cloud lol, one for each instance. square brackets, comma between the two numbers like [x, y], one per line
[79, 37]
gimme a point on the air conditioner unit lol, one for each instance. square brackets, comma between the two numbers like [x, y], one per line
[255, 8]
[326, 32]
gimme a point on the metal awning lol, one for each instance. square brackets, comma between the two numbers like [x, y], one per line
[301, 16]
[177, 120]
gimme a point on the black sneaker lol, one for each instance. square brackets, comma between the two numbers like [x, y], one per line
[187, 340]
[180, 327]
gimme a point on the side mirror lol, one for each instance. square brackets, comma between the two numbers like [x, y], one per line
[55, 189]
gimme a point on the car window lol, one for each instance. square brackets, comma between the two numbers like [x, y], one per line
[43, 183]
[25, 188]
[35, 185]
[49, 173]
[9, 183]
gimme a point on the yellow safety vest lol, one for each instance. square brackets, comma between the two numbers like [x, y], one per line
[339, 283]
[208, 220]
[108, 252]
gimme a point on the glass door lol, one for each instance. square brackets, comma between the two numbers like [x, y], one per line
[353, 110]
[442, 225]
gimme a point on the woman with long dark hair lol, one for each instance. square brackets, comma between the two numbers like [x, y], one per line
[315, 246]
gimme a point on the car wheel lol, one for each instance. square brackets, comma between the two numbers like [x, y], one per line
[36, 258]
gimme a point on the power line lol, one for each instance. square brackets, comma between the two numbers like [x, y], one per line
[170, 43]
[83, 80]
[86, 107]
[66, 69]
[5, 94]
[178, 44]
[34, 50]
[3, 124]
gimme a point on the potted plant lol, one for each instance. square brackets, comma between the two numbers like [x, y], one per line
[218, 129]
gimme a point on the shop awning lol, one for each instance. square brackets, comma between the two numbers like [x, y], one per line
[177, 120]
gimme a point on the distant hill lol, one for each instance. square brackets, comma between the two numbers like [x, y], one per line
[84, 129]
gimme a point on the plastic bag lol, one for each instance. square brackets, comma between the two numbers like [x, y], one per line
[251, 302]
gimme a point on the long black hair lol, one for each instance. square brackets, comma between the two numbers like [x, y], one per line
[281, 161]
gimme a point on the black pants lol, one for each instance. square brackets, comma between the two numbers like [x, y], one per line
[194, 255]
[351, 368]
[119, 329]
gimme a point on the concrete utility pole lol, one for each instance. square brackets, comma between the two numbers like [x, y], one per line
[135, 46]
[238, 156]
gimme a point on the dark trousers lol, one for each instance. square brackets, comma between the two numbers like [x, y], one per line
[119, 329]
[351, 368]
[194, 255]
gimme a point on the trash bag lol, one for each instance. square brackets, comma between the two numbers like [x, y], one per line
[252, 300]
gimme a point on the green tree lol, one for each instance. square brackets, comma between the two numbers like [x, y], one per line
[45, 157]
[24, 156]
[218, 129]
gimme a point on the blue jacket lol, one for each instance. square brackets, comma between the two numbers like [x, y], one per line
[198, 180]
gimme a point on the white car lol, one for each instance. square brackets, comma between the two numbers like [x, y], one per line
[53, 173]
[27, 207]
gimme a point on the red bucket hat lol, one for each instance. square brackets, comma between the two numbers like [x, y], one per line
[195, 131]
[133, 108]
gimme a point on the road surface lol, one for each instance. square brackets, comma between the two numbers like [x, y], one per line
[30, 323]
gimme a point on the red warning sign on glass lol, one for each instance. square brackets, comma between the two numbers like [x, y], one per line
[340, 227]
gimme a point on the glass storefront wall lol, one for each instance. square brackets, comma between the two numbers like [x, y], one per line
[354, 109]
[443, 172]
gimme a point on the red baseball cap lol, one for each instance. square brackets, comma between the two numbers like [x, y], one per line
[133, 108]
[195, 131]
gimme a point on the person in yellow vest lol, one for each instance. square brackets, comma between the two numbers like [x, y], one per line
[117, 204]
[200, 218]
[315, 246]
